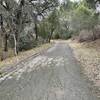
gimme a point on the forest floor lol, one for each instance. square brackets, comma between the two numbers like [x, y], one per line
[88, 54]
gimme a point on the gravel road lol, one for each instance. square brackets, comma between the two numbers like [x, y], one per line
[53, 75]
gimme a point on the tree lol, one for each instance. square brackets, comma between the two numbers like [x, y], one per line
[5, 22]
[65, 13]
[44, 29]
[81, 18]
[16, 15]
[53, 21]
[40, 10]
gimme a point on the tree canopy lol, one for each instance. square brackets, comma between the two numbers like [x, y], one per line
[23, 23]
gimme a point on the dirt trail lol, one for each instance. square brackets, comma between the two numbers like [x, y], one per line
[53, 75]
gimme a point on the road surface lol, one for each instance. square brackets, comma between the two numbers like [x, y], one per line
[53, 75]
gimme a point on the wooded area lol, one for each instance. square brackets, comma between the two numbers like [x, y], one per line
[27, 23]
[49, 49]
[20, 23]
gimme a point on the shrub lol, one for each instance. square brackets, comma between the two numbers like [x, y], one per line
[27, 42]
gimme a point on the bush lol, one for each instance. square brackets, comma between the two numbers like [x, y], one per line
[56, 36]
[67, 35]
[26, 45]
[27, 42]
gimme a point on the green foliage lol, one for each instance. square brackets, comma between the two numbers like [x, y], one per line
[77, 16]
[53, 19]
[66, 34]
[17, 15]
[83, 10]
[27, 42]
[83, 18]
[43, 29]
[91, 3]
[56, 36]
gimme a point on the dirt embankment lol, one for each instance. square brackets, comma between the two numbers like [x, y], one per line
[12, 61]
[88, 54]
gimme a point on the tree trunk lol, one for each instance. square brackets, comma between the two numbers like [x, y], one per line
[19, 25]
[16, 40]
[2, 54]
[50, 36]
[15, 45]
[4, 47]
[6, 43]
[36, 32]
[4, 40]
[94, 37]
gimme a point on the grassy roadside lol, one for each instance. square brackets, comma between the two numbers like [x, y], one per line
[23, 55]
[88, 54]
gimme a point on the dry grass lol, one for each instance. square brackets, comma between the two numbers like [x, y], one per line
[89, 56]
[22, 55]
